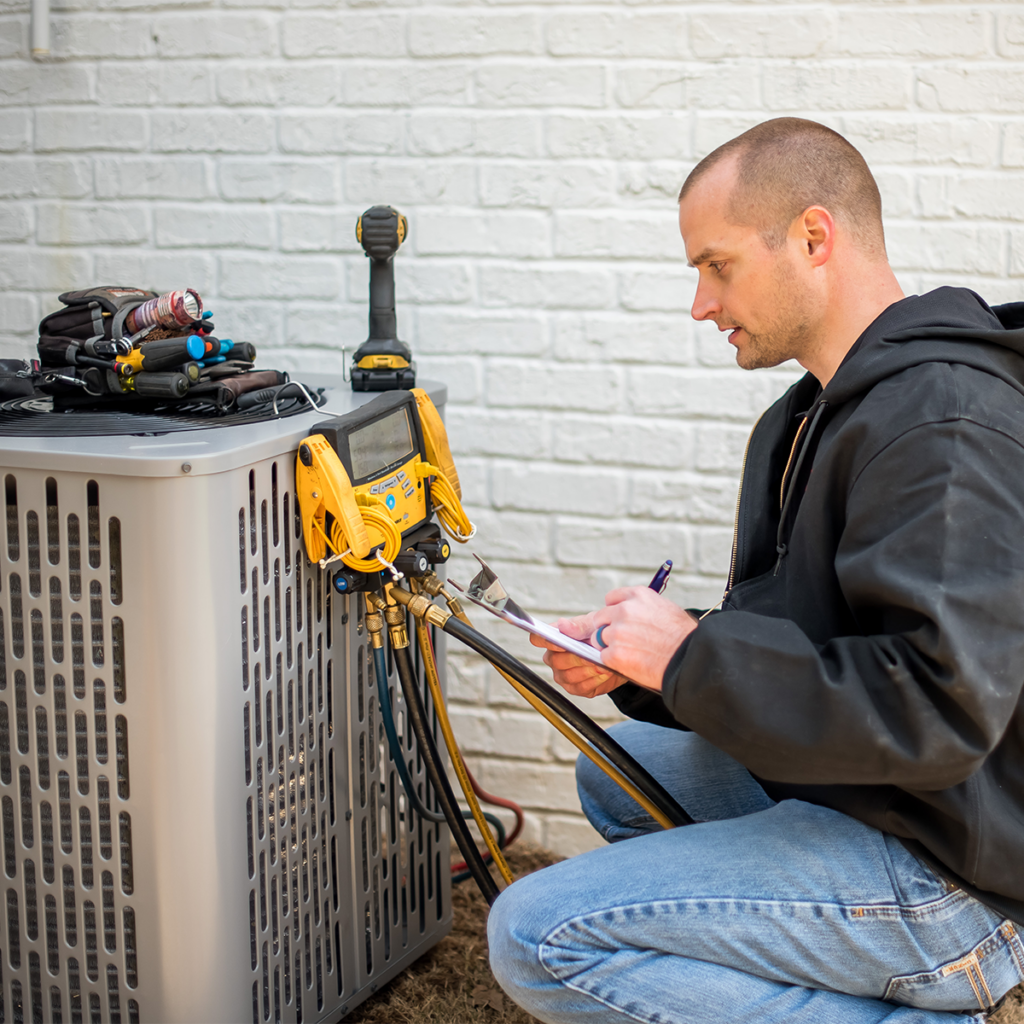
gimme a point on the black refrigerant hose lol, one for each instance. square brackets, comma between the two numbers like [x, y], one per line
[439, 778]
[592, 732]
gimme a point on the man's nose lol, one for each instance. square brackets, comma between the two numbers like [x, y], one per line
[705, 303]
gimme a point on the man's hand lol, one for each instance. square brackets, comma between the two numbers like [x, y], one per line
[642, 631]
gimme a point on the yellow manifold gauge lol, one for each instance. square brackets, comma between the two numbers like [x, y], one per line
[369, 483]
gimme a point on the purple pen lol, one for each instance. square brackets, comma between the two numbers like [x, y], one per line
[660, 580]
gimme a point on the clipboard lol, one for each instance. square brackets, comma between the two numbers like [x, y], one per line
[486, 590]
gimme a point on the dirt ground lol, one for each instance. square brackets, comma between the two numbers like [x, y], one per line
[452, 984]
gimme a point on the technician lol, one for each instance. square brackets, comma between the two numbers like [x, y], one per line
[856, 759]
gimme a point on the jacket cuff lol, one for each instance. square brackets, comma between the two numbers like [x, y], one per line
[673, 671]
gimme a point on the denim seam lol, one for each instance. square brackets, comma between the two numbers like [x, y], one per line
[1016, 946]
[972, 959]
[605, 1002]
[922, 910]
[717, 904]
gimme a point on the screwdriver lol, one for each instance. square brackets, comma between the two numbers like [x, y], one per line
[153, 356]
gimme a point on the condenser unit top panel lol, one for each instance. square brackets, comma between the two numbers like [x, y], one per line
[216, 450]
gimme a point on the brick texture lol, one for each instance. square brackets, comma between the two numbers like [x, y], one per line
[536, 148]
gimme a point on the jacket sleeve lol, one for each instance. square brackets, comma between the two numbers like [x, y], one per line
[931, 563]
[644, 706]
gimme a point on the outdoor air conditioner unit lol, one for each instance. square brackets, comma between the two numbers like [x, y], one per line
[201, 820]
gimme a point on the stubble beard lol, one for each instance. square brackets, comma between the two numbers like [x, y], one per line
[786, 334]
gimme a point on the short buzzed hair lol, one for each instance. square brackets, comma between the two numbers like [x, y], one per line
[789, 164]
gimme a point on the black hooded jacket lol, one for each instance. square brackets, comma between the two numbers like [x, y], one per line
[869, 652]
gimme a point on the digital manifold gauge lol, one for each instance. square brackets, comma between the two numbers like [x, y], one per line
[381, 447]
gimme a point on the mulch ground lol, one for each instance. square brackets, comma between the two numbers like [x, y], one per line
[452, 984]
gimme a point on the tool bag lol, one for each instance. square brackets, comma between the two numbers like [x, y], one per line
[90, 315]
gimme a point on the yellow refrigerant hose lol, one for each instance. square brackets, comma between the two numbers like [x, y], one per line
[430, 668]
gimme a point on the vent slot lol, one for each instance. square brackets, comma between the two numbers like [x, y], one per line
[103, 801]
[127, 869]
[131, 976]
[109, 919]
[60, 717]
[99, 702]
[5, 744]
[117, 655]
[82, 752]
[31, 904]
[85, 846]
[21, 710]
[13, 930]
[52, 935]
[52, 523]
[241, 546]
[92, 960]
[78, 655]
[38, 652]
[17, 620]
[64, 800]
[74, 558]
[46, 840]
[13, 537]
[121, 730]
[114, 534]
[42, 749]
[56, 622]
[96, 615]
[93, 492]
[70, 915]
[35, 579]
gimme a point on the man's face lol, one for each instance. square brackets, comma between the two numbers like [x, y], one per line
[753, 292]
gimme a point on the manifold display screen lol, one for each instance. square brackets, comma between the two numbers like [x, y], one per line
[379, 444]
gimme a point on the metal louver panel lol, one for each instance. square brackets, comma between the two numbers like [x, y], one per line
[201, 820]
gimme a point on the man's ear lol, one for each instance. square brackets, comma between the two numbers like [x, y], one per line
[816, 230]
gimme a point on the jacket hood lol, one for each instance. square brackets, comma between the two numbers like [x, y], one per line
[948, 325]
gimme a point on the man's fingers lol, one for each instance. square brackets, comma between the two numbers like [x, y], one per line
[539, 641]
[580, 627]
[621, 594]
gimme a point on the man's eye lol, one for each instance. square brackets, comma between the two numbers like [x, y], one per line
[716, 267]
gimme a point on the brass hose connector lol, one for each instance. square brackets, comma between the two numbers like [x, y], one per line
[431, 583]
[422, 607]
[435, 587]
[375, 627]
[394, 615]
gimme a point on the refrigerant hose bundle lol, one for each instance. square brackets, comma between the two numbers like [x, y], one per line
[596, 744]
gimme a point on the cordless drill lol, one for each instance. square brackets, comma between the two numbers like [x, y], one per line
[382, 362]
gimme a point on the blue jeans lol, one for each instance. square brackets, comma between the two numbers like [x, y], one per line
[762, 914]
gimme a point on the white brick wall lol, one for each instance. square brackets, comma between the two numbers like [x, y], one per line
[537, 149]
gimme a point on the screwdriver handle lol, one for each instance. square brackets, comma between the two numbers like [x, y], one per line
[162, 355]
[160, 385]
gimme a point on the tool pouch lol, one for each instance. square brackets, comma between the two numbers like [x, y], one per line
[17, 378]
[93, 313]
[224, 392]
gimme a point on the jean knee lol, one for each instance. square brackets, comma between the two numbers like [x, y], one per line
[515, 931]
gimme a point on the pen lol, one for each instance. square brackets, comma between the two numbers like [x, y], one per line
[660, 580]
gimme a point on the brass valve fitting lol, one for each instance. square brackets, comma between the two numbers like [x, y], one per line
[394, 614]
[375, 627]
[422, 607]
